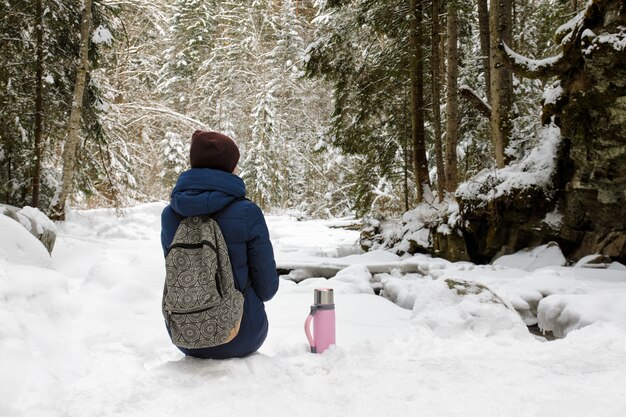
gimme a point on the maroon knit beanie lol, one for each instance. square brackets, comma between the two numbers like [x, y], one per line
[213, 150]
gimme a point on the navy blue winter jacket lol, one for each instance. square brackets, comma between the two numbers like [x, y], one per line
[202, 191]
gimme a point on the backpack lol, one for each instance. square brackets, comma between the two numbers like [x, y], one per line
[201, 305]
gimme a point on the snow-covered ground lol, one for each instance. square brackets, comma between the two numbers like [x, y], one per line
[83, 336]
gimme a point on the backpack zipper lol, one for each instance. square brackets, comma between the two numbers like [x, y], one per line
[170, 312]
[193, 245]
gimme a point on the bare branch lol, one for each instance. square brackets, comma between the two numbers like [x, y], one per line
[164, 110]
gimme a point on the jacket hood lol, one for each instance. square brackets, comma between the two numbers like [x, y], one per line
[201, 191]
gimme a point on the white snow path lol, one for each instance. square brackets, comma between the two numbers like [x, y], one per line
[88, 340]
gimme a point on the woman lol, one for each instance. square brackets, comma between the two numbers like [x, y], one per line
[212, 187]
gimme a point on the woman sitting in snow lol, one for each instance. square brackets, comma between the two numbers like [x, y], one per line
[209, 187]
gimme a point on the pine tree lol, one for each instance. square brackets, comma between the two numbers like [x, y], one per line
[36, 96]
[175, 153]
[361, 48]
[260, 166]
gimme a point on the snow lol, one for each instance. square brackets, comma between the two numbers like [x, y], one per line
[40, 221]
[594, 260]
[312, 238]
[22, 248]
[562, 313]
[551, 95]
[535, 169]
[533, 259]
[571, 24]
[616, 40]
[554, 219]
[527, 291]
[476, 94]
[87, 337]
[478, 311]
[617, 266]
[417, 224]
[528, 63]
[401, 289]
[357, 276]
[102, 35]
[587, 34]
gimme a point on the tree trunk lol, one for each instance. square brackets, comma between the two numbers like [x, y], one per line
[483, 25]
[38, 104]
[406, 159]
[417, 102]
[436, 91]
[73, 126]
[501, 78]
[452, 102]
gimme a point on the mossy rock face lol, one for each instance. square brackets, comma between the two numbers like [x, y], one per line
[506, 224]
[371, 235]
[415, 247]
[450, 246]
[593, 121]
[589, 185]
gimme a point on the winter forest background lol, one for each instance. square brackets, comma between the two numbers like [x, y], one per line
[454, 170]
[316, 93]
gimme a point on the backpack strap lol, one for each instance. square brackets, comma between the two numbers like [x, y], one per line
[215, 216]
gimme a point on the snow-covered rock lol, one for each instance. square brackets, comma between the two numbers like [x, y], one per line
[618, 266]
[453, 308]
[19, 246]
[309, 285]
[563, 313]
[595, 260]
[355, 275]
[401, 289]
[532, 259]
[33, 220]
[354, 279]
[431, 227]
[534, 170]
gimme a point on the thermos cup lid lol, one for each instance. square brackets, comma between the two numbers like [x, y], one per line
[324, 296]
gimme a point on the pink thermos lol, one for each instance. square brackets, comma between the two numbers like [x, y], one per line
[323, 316]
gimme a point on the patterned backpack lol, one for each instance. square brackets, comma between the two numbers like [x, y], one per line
[201, 306]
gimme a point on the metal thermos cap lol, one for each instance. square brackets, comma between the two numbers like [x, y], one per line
[324, 296]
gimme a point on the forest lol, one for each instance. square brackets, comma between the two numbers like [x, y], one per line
[364, 107]
[436, 190]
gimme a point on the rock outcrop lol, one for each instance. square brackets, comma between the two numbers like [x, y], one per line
[592, 116]
[571, 187]
[35, 222]
[587, 194]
